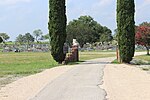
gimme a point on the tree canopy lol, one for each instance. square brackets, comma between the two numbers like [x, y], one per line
[38, 34]
[4, 36]
[27, 38]
[20, 39]
[45, 37]
[86, 30]
[143, 36]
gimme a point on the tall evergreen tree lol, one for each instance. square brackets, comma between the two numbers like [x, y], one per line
[57, 28]
[126, 29]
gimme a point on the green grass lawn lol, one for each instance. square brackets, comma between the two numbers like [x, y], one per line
[143, 57]
[24, 63]
[115, 62]
[144, 60]
[15, 65]
[92, 55]
[29, 63]
[140, 60]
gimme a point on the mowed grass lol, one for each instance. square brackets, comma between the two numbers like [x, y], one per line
[143, 57]
[140, 60]
[24, 63]
[144, 60]
[93, 55]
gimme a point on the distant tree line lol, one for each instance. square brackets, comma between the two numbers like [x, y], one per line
[29, 38]
[37, 35]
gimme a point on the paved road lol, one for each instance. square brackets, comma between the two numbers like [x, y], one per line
[80, 83]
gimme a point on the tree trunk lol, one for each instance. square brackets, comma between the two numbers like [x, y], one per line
[147, 48]
[27, 45]
[118, 55]
[37, 39]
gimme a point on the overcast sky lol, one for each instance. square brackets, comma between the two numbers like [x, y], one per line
[22, 16]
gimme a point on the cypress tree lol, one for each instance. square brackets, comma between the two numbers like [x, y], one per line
[57, 28]
[126, 29]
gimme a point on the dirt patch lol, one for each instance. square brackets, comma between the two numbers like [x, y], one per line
[7, 80]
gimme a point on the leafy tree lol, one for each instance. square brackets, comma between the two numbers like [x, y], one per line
[20, 39]
[38, 34]
[86, 30]
[28, 38]
[143, 37]
[5, 36]
[115, 36]
[106, 35]
[46, 36]
[57, 28]
[83, 34]
[96, 28]
[126, 29]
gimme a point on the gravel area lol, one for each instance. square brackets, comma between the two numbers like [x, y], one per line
[126, 82]
[29, 86]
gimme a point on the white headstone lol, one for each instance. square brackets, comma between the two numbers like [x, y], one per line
[75, 43]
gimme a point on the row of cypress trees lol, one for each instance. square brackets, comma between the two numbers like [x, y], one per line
[125, 24]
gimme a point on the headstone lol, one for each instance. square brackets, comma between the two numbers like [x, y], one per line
[75, 43]
[65, 48]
